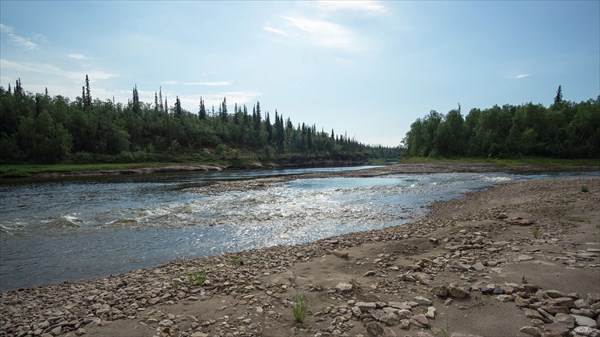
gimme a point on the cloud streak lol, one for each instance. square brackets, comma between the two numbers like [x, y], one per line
[50, 69]
[16, 39]
[362, 6]
[77, 56]
[323, 33]
[519, 76]
[268, 28]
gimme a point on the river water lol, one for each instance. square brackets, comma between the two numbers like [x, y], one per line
[68, 229]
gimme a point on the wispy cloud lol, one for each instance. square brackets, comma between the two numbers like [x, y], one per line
[270, 29]
[54, 70]
[323, 33]
[362, 6]
[211, 84]
[519, 76]
[77, 56]
[16, 39]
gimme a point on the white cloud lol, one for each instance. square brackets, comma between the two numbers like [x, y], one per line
[54, 70]
[211, 84]
[77, 56]
[323, 33]
[519, 76]
[16, 39]
[362, 6]
[270, 29]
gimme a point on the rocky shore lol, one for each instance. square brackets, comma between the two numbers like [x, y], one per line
[520, 259]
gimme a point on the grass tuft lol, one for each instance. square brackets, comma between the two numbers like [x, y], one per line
[584, 189]
[299, 310]
[197, 278]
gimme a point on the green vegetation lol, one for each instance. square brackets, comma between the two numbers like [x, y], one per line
[38, 128]
[563, 130]
[299, 310]
[535, 232]
[520, 161]
[584, 189]
[236, 261]
[197, 278]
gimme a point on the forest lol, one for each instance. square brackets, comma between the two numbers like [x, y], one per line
[563, 130]
[38, 128]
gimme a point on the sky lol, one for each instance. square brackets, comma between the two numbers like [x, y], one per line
[366, 68]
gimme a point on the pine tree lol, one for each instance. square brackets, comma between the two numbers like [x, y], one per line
[558, 99]
[155, 102]
[162, 108]
[201, 110]
[178, 111]
[87, 100]
[136, 101]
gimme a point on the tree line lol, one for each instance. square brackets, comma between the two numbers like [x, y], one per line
[562, 130]
[38, 128]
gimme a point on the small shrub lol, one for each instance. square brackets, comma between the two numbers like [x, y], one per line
[197, 278]
[299, 310]
[237, 261]
[584, 189]
[535, 232]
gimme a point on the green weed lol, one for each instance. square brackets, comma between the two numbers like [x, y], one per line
[299, 310]
[535, 231]
[584, 189]
[236, 261]
[197, 278]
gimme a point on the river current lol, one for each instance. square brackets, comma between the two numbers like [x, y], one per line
[68, 229]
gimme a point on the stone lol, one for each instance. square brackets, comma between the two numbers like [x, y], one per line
[563, 302]
[585, 321]
[366, 306]
[586, 331]
[566, 319]
[560, 329]
[374, 329]
[344, 287]
[533, 314]
[460, 334]
[430, 312]
[56, 331]
[582, 304]
[341, 255]
[199, 334]
[505, 298]
[554, 293]
[422, 300]
[478, 266]
[399, 305]
[440, 291]
[404, 324]
[390, 319]
[166, 323]
[404, 313]
[531, 330]
[419, 320]
[370, 273]
[524, 257]
[356, 311]
[387, 332]
[456, 291]
[80, 332]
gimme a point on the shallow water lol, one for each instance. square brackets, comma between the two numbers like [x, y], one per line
[82, 228]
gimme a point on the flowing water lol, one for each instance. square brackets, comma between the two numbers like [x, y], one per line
[90, 227]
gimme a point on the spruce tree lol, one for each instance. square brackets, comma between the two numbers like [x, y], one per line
[558, 99]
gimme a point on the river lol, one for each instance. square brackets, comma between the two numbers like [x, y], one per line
[68, 229]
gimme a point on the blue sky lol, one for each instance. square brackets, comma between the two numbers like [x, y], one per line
[369, 68]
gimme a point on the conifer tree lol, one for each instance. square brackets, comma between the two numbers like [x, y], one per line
[202, 110]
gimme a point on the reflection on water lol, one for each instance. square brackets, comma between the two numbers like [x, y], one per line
[55, 231]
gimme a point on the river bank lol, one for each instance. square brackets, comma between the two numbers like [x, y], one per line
[522, 254]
